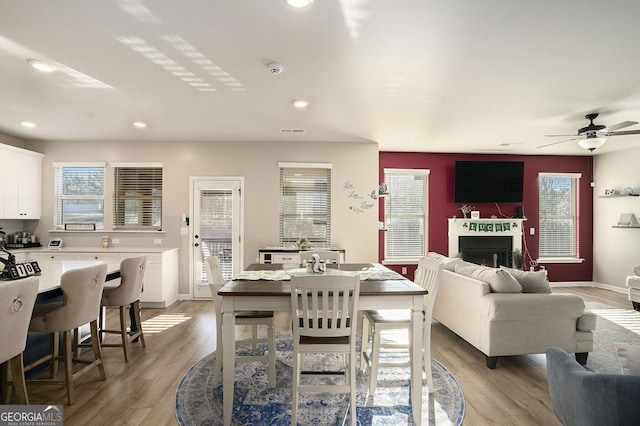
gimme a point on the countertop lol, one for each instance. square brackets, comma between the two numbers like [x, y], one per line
[295, 249]
[113, 249]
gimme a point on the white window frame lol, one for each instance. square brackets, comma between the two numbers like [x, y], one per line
[143, 211]
[573, 253]
[389, 216]
[286, 237]
[58, 222]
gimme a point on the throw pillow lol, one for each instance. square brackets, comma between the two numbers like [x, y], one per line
[448, 263]
[629, 356]
[531, 281]
[499, 280]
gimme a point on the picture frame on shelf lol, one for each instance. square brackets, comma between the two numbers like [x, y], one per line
[627, 219]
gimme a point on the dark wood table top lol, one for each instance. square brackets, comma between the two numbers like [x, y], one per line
[283, 288]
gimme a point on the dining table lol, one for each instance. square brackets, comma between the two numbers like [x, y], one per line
[267, 287]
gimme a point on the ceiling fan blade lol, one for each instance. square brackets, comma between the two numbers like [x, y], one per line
[624, 132]
[554, 136]
[555, 143]
[618, 126]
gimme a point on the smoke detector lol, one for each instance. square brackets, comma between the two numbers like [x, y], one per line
[275, 68]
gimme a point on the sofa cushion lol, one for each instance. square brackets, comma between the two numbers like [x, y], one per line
[499, 280]
[448, 263]
[629, 356]
[531, 281]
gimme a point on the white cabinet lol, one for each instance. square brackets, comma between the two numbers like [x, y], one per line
[51, 256]
[105, 257]
[288, 256]
[20, 192]
[160, 278]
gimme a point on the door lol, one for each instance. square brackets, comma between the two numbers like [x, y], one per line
[216, 229]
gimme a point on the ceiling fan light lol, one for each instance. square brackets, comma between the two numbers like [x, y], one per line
[591, 143]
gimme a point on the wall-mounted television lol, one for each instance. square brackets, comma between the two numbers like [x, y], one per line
[488, 181]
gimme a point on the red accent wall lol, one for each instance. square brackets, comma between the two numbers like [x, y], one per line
[442, 206]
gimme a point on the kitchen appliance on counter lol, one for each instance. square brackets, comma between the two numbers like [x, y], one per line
[23, 240]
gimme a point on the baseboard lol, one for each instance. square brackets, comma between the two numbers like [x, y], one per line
[617, 289]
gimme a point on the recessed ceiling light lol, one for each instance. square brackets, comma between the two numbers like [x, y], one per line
[41, 65]
[29, 124]
[299, 3]
[300, 103]
[139, 124]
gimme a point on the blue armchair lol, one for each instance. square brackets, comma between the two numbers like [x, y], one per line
[580, 397]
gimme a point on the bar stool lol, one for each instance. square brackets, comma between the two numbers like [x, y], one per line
[126, 295]
[82, 290]
[16, 305]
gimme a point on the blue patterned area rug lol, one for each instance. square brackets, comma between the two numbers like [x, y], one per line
[614, 325]
[199, 400]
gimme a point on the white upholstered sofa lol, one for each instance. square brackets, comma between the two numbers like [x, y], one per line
[506, 312]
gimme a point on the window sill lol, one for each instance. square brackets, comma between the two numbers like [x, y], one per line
[560, 260]
[408, 261]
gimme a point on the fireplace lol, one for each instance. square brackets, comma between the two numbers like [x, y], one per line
[493, 251]
[484, 238]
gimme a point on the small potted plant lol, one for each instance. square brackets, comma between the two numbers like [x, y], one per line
[302, 243]
[465, 209]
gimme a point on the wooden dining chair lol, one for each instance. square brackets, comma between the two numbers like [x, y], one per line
[251, 318]
[377, 322]
[329, 256]
[17, 299]
[324, 313]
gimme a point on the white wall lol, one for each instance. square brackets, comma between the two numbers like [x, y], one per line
[615, 251]
[257, 161]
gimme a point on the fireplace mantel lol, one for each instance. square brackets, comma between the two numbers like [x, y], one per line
[484, 228]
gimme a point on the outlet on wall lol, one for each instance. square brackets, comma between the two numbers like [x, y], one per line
[115, 241]
[157, 241]
[404, 270]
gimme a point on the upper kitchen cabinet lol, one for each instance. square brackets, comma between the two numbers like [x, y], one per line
[20, 174]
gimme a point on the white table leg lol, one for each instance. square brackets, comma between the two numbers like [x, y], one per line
[416, 362]
[228, 357]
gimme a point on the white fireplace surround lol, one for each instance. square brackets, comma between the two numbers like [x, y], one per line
[463, 227]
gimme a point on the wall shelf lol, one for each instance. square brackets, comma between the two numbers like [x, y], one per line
[620, 226]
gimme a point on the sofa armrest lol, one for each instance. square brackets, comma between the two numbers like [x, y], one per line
[523, 306]
[587, 321]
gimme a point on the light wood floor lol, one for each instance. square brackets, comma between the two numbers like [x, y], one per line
[142, 392]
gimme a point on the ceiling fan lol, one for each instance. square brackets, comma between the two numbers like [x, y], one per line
[593, 135]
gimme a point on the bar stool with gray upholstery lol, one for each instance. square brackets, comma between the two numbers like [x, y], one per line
[126, 295]
[82, 292]
[16, 305]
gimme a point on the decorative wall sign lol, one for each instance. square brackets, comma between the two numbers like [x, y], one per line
[360, 203]
[490, 227]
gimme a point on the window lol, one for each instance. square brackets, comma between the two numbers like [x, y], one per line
[559, 218]
[137, 196]
[405, 213]
[79, 194]
[305, 203]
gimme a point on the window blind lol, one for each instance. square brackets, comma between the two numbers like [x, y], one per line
[216, 225]
[305, 205]
[559, 218]
[406, 214]
[79, 194]
[137, 201]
